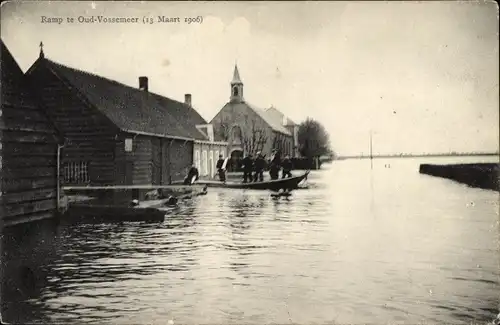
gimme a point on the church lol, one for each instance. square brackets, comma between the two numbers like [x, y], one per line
[250, 129]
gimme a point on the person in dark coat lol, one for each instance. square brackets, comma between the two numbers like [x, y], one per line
[247, 168]
[260, 164]
[220, 171]
[287, 166]
[193, 173]
[274, 167]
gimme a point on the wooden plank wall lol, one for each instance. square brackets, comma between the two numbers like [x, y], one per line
[2, 209]
[176, 157]
[90, 135]
[29, 151]
[181, 158]
[156, 161]
[139, 160]
[165, 168]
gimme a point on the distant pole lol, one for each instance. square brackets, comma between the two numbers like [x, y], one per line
[371, 150]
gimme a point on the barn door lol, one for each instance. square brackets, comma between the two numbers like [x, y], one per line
[156, 162]
[129, 173]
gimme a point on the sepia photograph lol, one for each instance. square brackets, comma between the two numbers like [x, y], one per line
[249, 162]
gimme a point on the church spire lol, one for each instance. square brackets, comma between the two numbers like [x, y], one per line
[236, 76]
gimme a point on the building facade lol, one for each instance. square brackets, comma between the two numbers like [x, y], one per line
[116, 134]
[206, 153]
[29, 146]
[290, 125]
[247, 128]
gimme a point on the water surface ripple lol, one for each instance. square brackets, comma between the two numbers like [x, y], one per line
[360, 246]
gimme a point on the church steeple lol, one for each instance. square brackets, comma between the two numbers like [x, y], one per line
[236, 75]
[236, 86]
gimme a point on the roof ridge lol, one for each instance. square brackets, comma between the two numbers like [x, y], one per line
[166, 115]
[109, 80]
[268, 119]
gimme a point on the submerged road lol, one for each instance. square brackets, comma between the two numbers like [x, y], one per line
[387, 245]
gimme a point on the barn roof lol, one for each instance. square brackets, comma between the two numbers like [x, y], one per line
[19, 106]
[131, 109]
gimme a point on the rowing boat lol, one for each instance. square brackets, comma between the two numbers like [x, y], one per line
[290, 183]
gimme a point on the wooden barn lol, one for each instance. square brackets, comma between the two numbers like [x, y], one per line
[29, 146]
[116, 134]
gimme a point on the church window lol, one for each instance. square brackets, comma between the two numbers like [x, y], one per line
[235, 91]
[236, 134]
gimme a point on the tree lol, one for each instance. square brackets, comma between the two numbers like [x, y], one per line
[313, 139]
[279, 142]
[254, 138]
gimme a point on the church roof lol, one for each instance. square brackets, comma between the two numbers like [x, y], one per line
[277, 114]
[236, 76]
[268, 119]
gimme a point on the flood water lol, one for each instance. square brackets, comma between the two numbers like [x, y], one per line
[378, 246]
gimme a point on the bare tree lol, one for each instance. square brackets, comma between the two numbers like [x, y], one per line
[279, 142]
[254, 138]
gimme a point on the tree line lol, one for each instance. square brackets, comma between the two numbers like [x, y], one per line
[314, 140]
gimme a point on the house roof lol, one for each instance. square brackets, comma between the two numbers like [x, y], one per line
[132, 109]
[277, 114]
[16, 97]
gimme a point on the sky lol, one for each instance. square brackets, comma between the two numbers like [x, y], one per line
[421, 76]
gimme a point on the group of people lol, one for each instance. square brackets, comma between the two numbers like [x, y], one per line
[253, 169]
[259, 164]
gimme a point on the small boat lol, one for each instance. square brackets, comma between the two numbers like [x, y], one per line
[290, 183]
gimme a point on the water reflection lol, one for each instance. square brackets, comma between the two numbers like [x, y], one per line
[360, 245]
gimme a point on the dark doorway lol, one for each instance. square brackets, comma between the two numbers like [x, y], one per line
[129, 173]
[235, 161]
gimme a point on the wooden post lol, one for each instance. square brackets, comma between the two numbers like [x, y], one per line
[170, 161]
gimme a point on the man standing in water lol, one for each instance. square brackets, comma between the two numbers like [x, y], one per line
[287, 167]
[247, 168]
[274, 168]
[260, 164]
[220, 171]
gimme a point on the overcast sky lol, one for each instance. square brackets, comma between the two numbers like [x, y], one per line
[422, 75]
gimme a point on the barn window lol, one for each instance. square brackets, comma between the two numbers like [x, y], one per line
[76, 172]
[204, 163]
[128, 145]
[236, 134]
